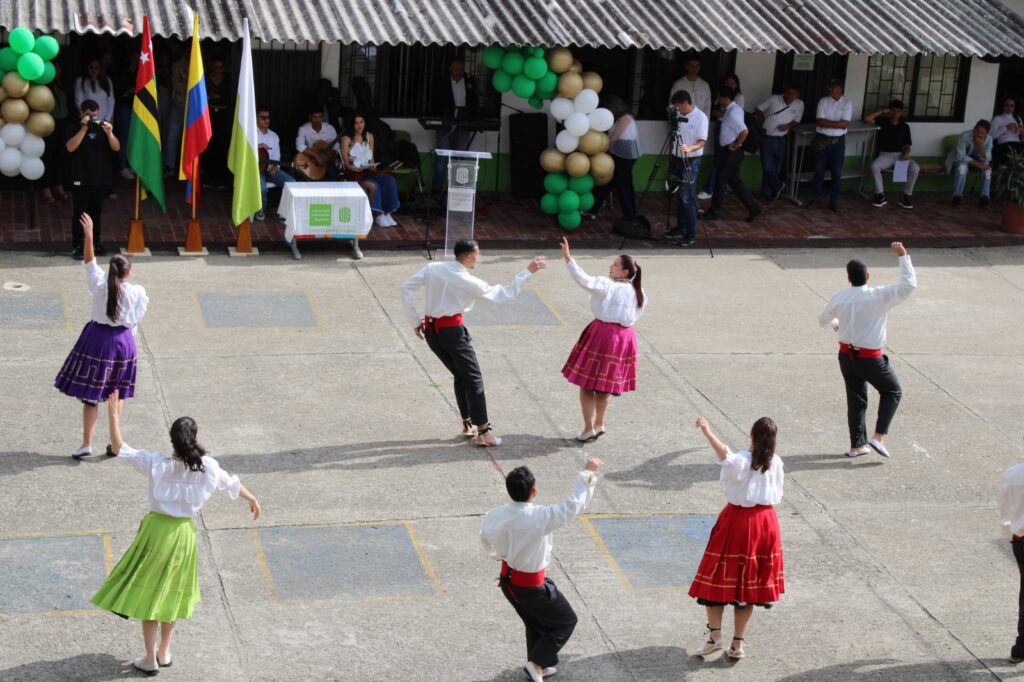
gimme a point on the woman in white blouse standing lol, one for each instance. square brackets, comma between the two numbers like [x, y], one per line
[96, 85]
[603, 361]
[742, 564]
[101, 366]
[156, 580]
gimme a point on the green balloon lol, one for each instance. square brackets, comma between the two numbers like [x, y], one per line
[549, 204]
[501, 81]
[556, 183]
[545, 94]
[538, 52]
[49, 73]
[535, 67]
[582, 184]
[512, 63]
[536, 102]
[548, 81]
[30, 66]
[22, 41]
[569, 220]
[46, 47]
[568, 201]
[586, 201]
[523, 86]
[492, 56]
[8, 59]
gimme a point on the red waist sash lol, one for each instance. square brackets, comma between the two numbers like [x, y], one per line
[854, 352]
[521, 579]
[1016, 538]
[436, 323]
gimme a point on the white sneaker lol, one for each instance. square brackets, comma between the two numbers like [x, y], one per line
[704, 196]
[381, 221]
[391, 221]
[82, 452]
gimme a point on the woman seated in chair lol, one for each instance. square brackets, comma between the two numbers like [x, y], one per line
[357, 155]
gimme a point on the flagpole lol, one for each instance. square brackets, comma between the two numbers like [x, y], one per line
[136, 240]
[194, 238]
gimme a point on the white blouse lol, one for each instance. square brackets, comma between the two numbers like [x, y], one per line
[746, 487]
[133, 305]
[610, 301]
[361, 154]
[173, 489]
[1011, 499]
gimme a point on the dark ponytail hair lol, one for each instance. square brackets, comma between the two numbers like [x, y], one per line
[630, 266]
[762, 439]
[119, 267]
[186, 447]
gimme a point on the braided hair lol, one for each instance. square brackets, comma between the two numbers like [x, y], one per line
[186, 448]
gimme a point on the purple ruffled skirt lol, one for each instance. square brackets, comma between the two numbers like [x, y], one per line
[102, 361]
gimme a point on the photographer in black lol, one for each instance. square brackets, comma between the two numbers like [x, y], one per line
[684, 165]
[90, 144]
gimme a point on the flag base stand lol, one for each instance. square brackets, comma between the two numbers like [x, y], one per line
[233, 252]
[243, 244]
[136, 240]
[136, 254]
[182, 251]
[193, 241]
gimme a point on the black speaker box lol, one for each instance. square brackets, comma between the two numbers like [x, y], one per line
[528, 137]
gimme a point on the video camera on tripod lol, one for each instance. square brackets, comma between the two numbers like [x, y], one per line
[674, 117]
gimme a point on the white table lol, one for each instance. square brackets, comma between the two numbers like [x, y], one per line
[859, 134]
[325, 210]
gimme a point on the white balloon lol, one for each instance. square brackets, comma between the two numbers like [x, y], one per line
[577, 124]
[10, 161]
[601, 120]
[32, 168]
[33, 146]
[561, 107]
[3, 145]
[566, 142]
[13, 134]
[586, 101]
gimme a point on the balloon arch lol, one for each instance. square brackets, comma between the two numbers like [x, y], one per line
[26, 68]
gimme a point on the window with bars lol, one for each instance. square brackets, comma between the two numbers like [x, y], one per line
[656, 70]
[932, 87]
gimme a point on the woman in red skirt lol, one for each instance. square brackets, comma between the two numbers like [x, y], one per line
[603, 362]
[742, 563]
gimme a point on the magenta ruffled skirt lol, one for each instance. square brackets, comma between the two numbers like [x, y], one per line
[604, 359]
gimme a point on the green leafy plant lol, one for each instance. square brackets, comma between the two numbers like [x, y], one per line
[1009, 178]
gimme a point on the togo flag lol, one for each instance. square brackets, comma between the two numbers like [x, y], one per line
[144, 132]
[243, 159]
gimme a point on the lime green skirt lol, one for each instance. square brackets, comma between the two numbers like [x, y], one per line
[156, 579]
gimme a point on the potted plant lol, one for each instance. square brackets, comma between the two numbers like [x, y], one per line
[1009, 186]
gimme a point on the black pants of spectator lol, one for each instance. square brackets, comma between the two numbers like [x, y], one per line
[548, 617]
[727, 172]
[858, 372]
[1018, 647]
[453, 346]
[622, 182]
[87, 200]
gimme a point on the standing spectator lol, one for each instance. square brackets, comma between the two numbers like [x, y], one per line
[1011, 513]
[894, 143]
[684, 165]
[176, 67]
[625, 150]
[697, 87]
[729, 156]
[56, 155]
[778, 114]
[94, 85]
[1007, 129]
[730, 81]
[221, 99]
[972, 154]
[834, 115]
[124, 90]
[90, 141]
[455, 97]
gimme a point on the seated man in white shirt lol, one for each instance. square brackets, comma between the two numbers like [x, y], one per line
[518, 534]
[313, 162]
[1007, 132]
[270, 168]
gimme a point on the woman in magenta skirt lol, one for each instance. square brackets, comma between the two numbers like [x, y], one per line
[101, 366]
[603, 362]
[742, 563]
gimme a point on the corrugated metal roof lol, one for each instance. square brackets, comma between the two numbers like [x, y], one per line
[967, 27]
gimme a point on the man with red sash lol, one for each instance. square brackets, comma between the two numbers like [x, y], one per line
[518, 534]
[859, 314]
[451, 291]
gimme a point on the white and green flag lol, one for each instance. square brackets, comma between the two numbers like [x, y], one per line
[243, 159]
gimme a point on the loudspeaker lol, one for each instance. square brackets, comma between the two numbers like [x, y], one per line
[528, 137]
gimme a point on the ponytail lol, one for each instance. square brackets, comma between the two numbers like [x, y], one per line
[186, 448]
[119, 267]
[762, 444]
[630, 266]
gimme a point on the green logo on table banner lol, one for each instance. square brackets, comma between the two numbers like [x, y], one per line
[345, 215]
[319, 215]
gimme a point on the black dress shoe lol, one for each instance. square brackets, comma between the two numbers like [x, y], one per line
[753, 215]
[833, 206]
[687, 241]
[77, 254]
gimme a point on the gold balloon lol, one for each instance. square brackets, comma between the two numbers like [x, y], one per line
[14, 110]
[552, 160]
[606, 142]
[590, 142]
[40, 98]
[577, 164]
[603, 166]
[593, 81]
[576, 67]
[569, 84]
[600, 180]
[40, 123]
[3, 95]
[559, 60]
[15, 85]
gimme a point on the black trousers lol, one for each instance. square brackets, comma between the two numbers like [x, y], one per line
[727, 172]
[85, 199]
[453, 346]
[857, 374]
[548, 617]
[1018, 648]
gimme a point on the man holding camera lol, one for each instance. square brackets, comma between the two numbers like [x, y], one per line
[728, 157]
[684, 165]
[90, 144]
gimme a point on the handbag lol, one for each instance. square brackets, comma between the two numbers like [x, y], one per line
[820, 142]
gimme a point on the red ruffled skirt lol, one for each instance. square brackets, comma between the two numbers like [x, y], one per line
[603, 359]
[743, 560]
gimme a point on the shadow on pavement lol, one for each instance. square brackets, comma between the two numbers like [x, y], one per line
[20, 462]
[648, 663]
[888, 669]
[80, 667]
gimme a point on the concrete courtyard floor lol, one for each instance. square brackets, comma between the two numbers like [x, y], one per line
[307, 382]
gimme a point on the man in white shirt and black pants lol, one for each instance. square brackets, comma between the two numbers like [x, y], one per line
[452, 291]
[858, 313]
[518, 534]
[778, 114]
[834, 114]
[684, 164]
[732, 132]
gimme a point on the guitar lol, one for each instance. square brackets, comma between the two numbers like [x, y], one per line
[369, 171]
[313, 161]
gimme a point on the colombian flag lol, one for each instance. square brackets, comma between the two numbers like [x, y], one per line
[198, 130]
[144, 133]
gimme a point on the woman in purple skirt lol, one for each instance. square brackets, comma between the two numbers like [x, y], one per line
[603, 362]
[101, 366]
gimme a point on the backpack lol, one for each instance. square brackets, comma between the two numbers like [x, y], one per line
[408, 154]
[755, 134]
[637, 228]
[385, 145]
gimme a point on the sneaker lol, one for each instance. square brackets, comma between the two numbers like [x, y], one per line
[260, 215]
[81, 452]
[779, 193]
[381, 221]
[391, 221]
[687, 241]
[983, 202]
[906, 201]
[957, 201]
[704, 196]
[590, 215]
[127, 174]
[879, 201]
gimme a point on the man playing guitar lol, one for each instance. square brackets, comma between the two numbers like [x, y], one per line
[317, 161]
[270, 157]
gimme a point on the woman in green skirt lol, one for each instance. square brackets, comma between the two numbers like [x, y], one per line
[156, 580]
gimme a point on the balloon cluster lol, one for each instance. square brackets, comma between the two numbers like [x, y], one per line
[26, 102]
[524, 71]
